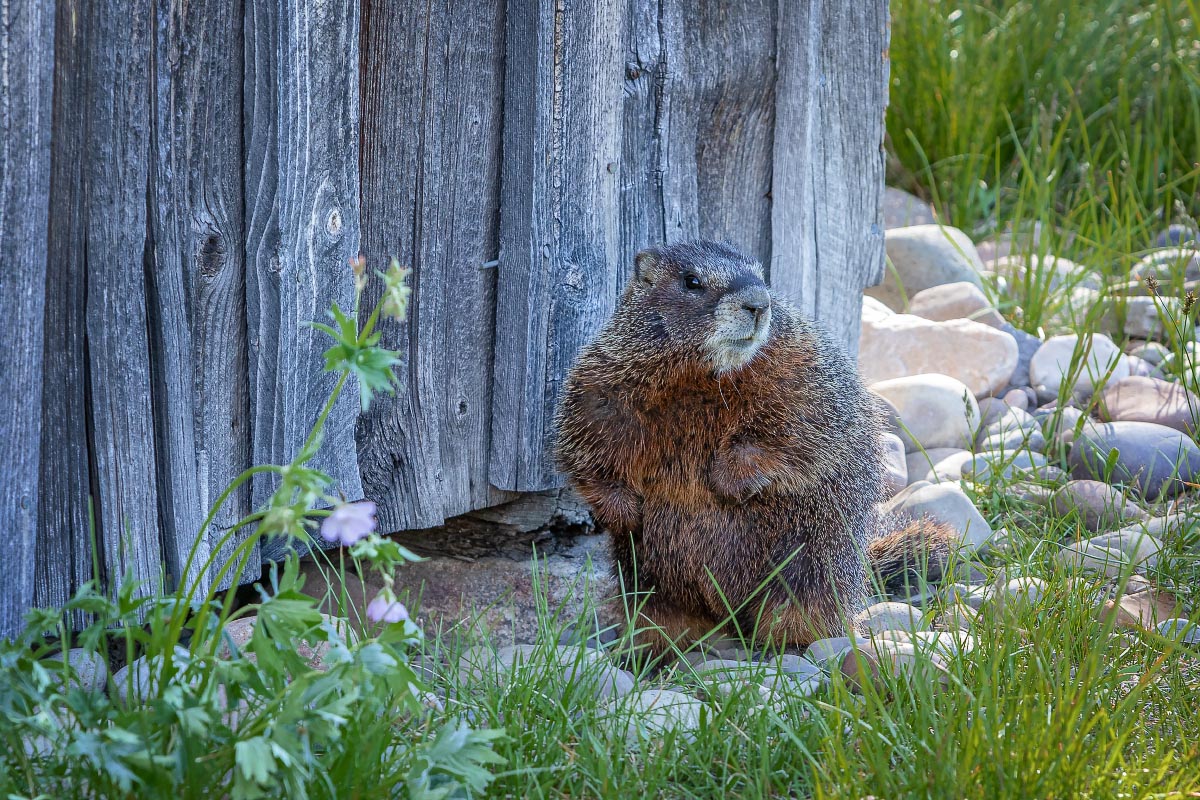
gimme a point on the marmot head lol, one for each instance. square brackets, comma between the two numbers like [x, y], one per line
[704, 295]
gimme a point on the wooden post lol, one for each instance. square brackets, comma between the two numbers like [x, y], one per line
[26, 62]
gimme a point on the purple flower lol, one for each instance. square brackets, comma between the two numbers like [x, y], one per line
[349, 522]
[386, 608]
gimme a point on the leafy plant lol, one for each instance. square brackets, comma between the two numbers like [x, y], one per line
[197, 716]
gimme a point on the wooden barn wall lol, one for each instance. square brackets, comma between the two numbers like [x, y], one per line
[185, 183]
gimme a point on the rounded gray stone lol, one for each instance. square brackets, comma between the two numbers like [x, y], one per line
[89, 667]
[1097, 505]
[924, 256]
[1154, 459]
[1180, 630]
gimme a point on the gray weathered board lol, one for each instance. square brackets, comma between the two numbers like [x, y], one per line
[184, 184]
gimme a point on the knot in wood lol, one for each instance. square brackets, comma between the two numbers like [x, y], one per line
[333, 223]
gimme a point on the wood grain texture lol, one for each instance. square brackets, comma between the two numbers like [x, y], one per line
[302, 224]
[115, 174]
[718, 111]
[26, 82]
[65, 557]
[829, 158]
[197, 275]
[559, 218]
[432, 110]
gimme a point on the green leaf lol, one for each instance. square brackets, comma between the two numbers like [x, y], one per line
[254, 760]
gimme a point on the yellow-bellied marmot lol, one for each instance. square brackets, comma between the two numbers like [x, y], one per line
[722, 438]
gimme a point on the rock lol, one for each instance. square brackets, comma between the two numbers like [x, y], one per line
[1058, 425]
[961, 300]
[1154, 459]
[1140, 367]
[823, 650]
[648, 715]
[1010, 442]
[946, 644]
[1153, 352]
[1017, 398]
[869, 662]
[1009, 420]
[935, 410]
[982, 467]
[959, 616]
[1022, 240]
[1145, 320]
[1177, 234]
[1098, 505]
[798, 667]
[90, 670]
[1018, 593]
[1137, 399]
[873, 310]
[937, 465]
[1144, 610]
[1169, 265]
[1027, 345]
[602, 680]
[991, 409]
[946, 503]
[922, 256]
[1138, 546]
[1048, 274]
[904, 345]
[889, 616]
[140, 676]
[729, 669]
[1180, 630]
[488, 583]
[1049, 367]
[902, 210]
[895, 467]
[1087, 557]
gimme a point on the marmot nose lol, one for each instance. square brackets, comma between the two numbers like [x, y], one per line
[756, 301]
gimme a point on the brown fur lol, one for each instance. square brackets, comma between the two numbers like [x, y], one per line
[731, 452]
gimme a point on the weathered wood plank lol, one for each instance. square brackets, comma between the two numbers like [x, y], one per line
[302, 223]
[197, 276]
[65, 557]
[559, 218]
[26, 81]
[719, 108]
[115, 171]
[829, 159]
[431, 173]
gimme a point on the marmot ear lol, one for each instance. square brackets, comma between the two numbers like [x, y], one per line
[644, 264]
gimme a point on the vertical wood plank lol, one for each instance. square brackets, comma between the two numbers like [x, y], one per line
[302, 224]
[65, 556]
[115, 174]
[559, 218]
[26, 64]
[197, 277]
[431, 161]
[719, 108]
[829, 158]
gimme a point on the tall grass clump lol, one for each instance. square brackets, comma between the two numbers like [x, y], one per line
[1055, 111]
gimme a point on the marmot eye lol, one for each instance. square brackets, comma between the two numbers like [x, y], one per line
[692, 283]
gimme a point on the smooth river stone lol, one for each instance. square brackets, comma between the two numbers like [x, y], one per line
[1137, 399]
